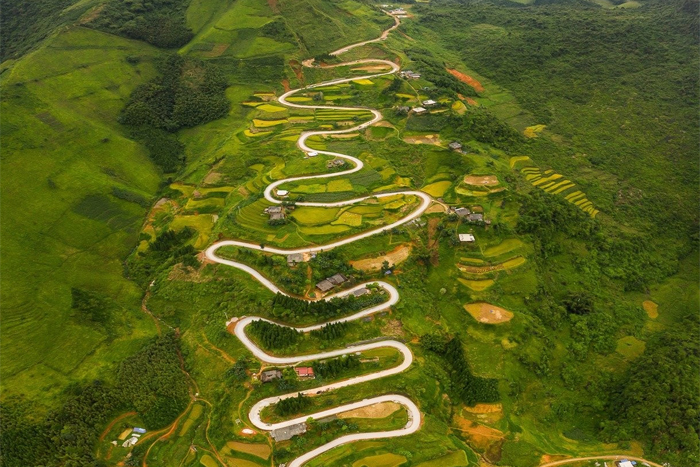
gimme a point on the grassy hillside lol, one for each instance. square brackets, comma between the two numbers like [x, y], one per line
[74, 195]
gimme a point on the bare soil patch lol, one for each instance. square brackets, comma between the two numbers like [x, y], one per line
[92, 15]
[297, 68]
[546, 458]
[466, 79]
[370, 68]
[393, 328]
[394, 257]
[481, 180]
[486, 439]
[484, 408]
[423, 139]
[217, 51]
[486, 313]
[213, 178]
[273, 6]
[345, 136]
[382, 410]
[436, 208]
[186, 274]
[651, 308]
[433, 243]
[285, 84]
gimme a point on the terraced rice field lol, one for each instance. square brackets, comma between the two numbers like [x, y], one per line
[453, 459]
[555, 184]
[477, 285]
[262, 451]
[509, 264]
[310, 215]
[268, 123]
[380, 460]
[437, 189]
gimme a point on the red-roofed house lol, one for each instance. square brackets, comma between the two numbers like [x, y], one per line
[304, 371]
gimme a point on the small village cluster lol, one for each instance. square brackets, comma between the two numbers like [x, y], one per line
[331, 282]
[132, 436]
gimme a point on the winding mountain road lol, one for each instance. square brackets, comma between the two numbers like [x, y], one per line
[414, 415]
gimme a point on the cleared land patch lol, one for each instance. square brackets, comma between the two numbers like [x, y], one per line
[630, 347]
[651, 308]
[510, 264]
[382, 410]
[487, 313]
[394, 257]
[262, 451]
[466, 79]
[481, 180]
[423, 139]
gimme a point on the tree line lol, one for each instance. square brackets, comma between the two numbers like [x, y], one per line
[331, 331]
[158, 22]
[166, 250]
[283, 305]
[274, 336]
[292, 405]
[468, 388]
[187, 92]
[336, 367]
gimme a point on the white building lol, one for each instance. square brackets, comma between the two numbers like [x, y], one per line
[130, 442]
[312, 153]
[282, 193]
[429, 103]
[466, 238]
[419, 110]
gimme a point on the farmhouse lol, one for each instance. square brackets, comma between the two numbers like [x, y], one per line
[270, 375]
[475, 217]
[462, 212]
[335, 163]
[337, 279]
[273, 209]
[361, 292]
[294, 259]
[304, 371]
[625, 463]
[469, 238]
[283, 434]
[325, 285]
[455, 146]
[282, 193]
[429, 103]
[312, 153]
[276, 216]
[419, 110]
[409, 74]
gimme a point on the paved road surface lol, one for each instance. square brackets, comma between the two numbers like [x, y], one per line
[414, 415]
